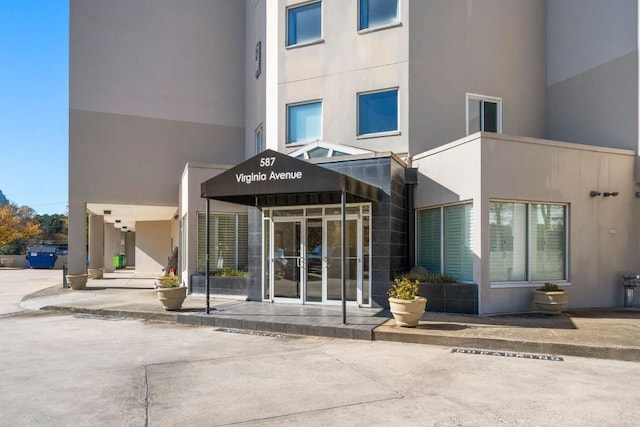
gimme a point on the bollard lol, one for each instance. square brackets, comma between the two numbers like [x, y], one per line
[64, 276]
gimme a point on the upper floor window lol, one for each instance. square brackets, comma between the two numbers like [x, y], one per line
[378, 112]
[484, 114]
[304, 122]
[259, 139]
[377, 13]
[304, 24]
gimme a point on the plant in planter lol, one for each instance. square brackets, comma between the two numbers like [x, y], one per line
[550, 299]
[170, 291]
[405, 304]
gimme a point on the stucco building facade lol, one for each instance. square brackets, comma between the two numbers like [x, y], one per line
[481, 130]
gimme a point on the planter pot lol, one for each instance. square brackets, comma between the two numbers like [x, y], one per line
[96, 273]
[407, 312]
[172, 298]
[550, 302]
[8, 262]
[77, 281]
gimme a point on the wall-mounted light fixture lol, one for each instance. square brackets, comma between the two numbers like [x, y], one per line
[614, 194]
[594, 193]
[106, 212]
[118, 221]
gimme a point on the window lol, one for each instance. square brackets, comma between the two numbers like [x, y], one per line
[445, 236]
[259, 139]
[258, 59]
[377, 13]
[304, 122]
[304, 24]
[483, 114]
[228, 241]
[378, 112]
[527, 242]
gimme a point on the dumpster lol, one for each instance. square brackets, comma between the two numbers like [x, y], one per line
[120, 261]
[42, 256]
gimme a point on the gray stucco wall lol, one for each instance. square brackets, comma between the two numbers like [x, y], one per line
[593, 72]
[154, 84]
[488, 47]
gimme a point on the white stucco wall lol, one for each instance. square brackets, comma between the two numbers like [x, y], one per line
[602, 232]
[345, 63]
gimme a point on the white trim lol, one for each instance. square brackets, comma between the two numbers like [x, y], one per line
[331, 147]
[482, 98]
[305, 44]
[512, 285]
[380, 28]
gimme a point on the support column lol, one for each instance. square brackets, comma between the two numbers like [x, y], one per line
[96, 241]
[109, 247]
[77, 260]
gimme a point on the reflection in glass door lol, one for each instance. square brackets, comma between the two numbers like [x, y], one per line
[302, 255]
[334, 260]
[287, 260]
[314, 260]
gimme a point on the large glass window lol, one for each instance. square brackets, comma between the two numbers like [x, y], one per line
[445, 236]
[429, 233]
[527, 242]
[507, 241]
[483, 114]
[377, 13]
[304, 24]
[228, 241]
[304, 122]
[548, 242]
[378, 112]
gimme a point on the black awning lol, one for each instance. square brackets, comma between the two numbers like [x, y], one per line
[275, 179]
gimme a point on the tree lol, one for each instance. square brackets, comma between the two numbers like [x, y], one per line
[17, 224]
[3, 199]
[52, 227]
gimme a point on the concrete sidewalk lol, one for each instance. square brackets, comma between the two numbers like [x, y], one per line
[609, 334]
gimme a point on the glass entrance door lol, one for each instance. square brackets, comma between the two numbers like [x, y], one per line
[287, 259]
[303, 256]
[315, 260]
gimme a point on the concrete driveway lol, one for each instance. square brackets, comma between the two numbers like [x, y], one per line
[15, 284]
[87, 370]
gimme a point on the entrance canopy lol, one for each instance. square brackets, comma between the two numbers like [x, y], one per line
[275, 179]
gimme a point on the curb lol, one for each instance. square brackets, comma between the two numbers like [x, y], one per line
[221, 321]
[627, 354]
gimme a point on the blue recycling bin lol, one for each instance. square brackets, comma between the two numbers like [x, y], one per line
[42, 256]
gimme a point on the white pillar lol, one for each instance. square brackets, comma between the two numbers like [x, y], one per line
[96, 241]
[77, 259]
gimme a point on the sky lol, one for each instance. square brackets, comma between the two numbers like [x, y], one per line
[34, 103]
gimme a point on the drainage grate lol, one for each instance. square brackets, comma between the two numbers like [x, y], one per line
[257, 333]
[509, 354]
